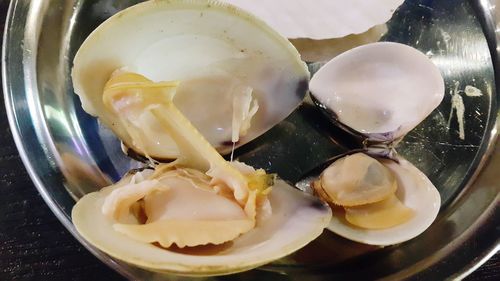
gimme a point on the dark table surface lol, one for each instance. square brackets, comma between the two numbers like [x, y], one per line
[33, 243]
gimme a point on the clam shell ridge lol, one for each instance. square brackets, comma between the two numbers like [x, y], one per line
[320, 19]
[192, 40]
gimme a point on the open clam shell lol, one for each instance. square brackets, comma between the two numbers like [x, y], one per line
[198, 43]
[415, 191]
[296, 220]
[200, 200]
[379, 91]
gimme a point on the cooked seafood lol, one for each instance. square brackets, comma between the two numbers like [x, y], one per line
[199, 199]
[378, 92]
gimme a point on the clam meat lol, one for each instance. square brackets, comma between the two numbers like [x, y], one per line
[393, 201]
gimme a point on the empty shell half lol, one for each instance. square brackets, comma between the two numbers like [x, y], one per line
[379, 91]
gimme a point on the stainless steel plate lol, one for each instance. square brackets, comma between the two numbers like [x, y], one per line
[68, 153]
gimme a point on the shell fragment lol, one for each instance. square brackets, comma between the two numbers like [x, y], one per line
[320, 19]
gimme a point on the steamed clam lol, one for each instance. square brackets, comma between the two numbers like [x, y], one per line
[403, 202]
[378, 92]
[199, 214]
[198, 200]
[219, 55]
[293, 222]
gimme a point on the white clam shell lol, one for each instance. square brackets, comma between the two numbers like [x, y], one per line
[381, 90]
[415, 191]
[183, 40]
[297, 219]
[320, 19]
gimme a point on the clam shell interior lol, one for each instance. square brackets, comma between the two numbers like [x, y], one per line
[415, 191]
[193, 41]
[297, 219]
[381, 88]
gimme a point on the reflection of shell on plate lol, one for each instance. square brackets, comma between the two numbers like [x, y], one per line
[320, 19]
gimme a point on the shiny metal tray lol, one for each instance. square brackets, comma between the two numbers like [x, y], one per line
[68, 153]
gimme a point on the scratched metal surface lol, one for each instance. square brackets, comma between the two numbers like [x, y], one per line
[50, 124]
[448, 144]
